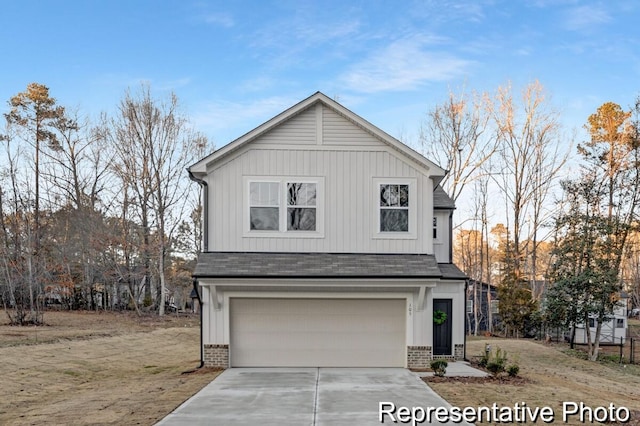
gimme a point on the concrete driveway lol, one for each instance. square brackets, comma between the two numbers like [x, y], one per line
[303, 396]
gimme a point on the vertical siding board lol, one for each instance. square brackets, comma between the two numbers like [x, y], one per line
[222, 188]
[353, 202]
[298, 130]
[359, 189]
[349, 211]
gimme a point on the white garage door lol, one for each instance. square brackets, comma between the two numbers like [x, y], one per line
[318, 332]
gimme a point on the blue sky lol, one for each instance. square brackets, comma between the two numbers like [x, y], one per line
[235, 64]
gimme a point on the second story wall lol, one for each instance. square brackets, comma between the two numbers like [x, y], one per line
[315, 184]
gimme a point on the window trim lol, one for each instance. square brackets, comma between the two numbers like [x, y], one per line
[282, 231]
[412, 233]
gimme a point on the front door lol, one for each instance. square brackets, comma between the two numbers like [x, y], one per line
[442, 330]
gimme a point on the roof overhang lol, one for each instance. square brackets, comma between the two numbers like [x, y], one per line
[323, 266]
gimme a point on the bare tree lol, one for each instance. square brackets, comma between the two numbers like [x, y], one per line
[154, 145]
[456, 136]
[528, 132]
[78, 174]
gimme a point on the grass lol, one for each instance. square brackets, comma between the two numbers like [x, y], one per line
[115, 368]
[552, 375]
[98, 368]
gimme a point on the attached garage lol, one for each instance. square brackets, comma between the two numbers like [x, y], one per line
[271, 309]
[307, 332]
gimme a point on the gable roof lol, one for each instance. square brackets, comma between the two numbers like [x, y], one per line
[322, 265]
[200, 167]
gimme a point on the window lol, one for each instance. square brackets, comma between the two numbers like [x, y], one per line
[283, 206]
[301, 206]
[264, 206]
[469, 306]
[394, 208]
[620, 323]
[592, 322]
[395, 204]
[435, 228]
[495, 306]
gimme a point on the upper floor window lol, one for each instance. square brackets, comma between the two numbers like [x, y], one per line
[396, 208]
[279, 206]
[435, 228]
[301, 206]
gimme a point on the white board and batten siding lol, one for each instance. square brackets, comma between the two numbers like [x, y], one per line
[319, 144]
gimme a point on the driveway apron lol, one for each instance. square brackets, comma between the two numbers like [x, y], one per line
[303, 396]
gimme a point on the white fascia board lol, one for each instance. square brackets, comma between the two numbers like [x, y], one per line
[295, 283]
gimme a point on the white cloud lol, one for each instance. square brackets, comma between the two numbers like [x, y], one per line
[221, 19]
[257, 84]
[586, 17]
[403, 65]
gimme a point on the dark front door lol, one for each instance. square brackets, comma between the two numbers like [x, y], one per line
[442, 332]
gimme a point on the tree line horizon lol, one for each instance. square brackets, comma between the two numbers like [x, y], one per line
[100, 215]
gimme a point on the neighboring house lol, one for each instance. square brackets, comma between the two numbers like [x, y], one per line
[482, 307]
[613, 331]
[327, 242]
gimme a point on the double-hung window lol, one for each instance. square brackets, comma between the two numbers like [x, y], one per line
[284, 206]
[394, 208]
[395, 203]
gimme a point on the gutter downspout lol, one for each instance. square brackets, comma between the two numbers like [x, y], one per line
[205, 210]
[205, 248]
[195, 288]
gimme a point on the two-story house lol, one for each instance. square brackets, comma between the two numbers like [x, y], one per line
[327, 242]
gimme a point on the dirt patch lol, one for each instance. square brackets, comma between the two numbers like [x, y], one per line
[88, 368]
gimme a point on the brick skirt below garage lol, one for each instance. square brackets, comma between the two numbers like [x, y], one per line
[419, 356]
[216, 356]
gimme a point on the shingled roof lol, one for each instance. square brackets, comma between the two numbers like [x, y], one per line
[441, 199]
[322, 265]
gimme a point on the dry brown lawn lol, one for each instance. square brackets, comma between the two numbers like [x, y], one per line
[551, 377]
[117, 368]
[98, 368]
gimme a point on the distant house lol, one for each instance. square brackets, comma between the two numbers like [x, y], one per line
[613, 331]
[327, 242]
[482, 307]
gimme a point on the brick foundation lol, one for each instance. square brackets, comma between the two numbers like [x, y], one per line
[216, 356]
[419, 356]
[458, 352]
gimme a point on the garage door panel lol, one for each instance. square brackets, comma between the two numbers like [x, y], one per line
[318, 332]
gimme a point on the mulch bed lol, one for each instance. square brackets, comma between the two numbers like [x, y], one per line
[501, 380]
